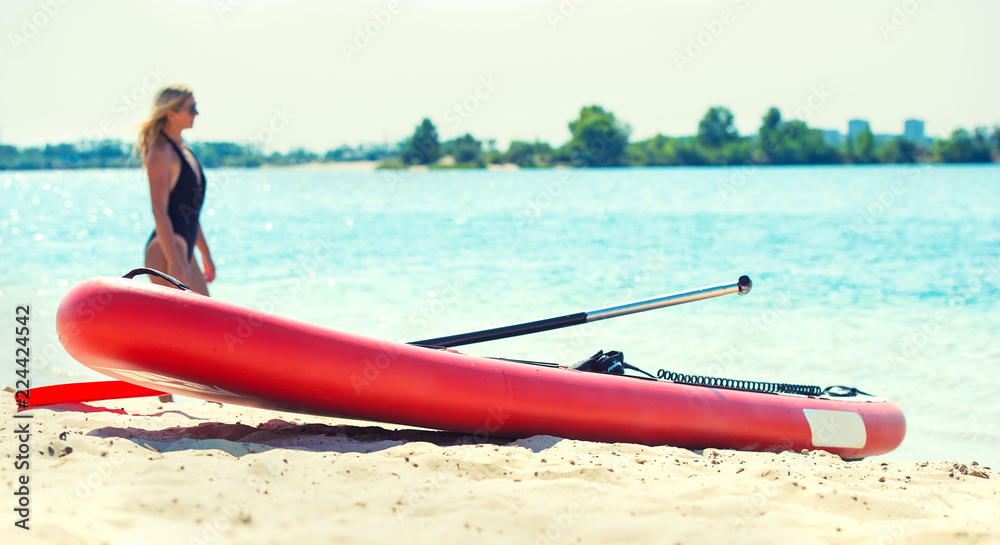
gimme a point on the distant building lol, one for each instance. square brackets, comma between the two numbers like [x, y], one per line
[913, 130]
[832, 138]
[856, 127]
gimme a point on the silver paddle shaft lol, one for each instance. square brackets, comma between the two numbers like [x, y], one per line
[742, 287]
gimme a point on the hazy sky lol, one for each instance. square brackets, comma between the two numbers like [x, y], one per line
[321, 74]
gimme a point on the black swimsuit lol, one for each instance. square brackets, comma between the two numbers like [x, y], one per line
[186, 198]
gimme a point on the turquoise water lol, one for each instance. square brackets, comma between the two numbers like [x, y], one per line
[884, 278]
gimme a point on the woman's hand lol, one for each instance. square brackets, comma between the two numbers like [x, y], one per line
[206, 261]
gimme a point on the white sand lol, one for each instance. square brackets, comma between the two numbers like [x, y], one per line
[202, 473]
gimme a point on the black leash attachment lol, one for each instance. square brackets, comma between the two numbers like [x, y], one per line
[741, 385]
[613, 363]
[153, 272]
[844, 391]
[609, 363]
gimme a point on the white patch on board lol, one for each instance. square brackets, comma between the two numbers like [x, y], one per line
[841, 429]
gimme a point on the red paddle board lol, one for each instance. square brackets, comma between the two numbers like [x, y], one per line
[174, 341]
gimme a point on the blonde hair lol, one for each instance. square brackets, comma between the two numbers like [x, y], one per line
[171, 97]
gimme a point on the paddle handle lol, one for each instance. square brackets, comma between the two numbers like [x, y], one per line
[741, 286]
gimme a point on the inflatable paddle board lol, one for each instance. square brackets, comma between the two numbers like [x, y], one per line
[169, 340]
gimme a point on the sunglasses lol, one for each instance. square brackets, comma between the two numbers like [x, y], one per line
[193, 109]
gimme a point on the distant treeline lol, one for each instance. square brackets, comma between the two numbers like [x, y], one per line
[597, 139]
[115, 154]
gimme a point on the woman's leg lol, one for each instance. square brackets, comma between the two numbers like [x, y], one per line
[196, 278]
[157, 261]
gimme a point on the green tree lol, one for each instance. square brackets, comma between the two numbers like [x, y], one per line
[8, 156]
[521, 154]
[598, 139]
[899, 150]
[962, 147]
[848, 149]
[716, 128]
[687, 152]
[806, 146]
[528, 154]
[865, 146]
[423, 147]
[769, 137]
[61, 156]
[791, 142]
[225, 154]
[466, 149]
[656, 151]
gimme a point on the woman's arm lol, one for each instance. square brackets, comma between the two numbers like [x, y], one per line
[160, 181]
[206, 256]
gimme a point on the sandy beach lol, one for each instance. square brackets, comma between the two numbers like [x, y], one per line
[138, 470]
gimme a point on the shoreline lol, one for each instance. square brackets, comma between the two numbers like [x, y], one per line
[367, 166]
[118, 471]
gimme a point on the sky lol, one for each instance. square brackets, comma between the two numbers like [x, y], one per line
[320, 74]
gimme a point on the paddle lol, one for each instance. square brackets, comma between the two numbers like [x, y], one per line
[94, 391]
[81, 391]
[741, 286]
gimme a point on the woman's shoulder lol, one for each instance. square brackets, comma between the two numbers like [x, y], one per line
[161, 152]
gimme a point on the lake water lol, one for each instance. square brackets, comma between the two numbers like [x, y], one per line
[885, 278]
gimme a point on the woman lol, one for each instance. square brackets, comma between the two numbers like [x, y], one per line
[177, 191]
